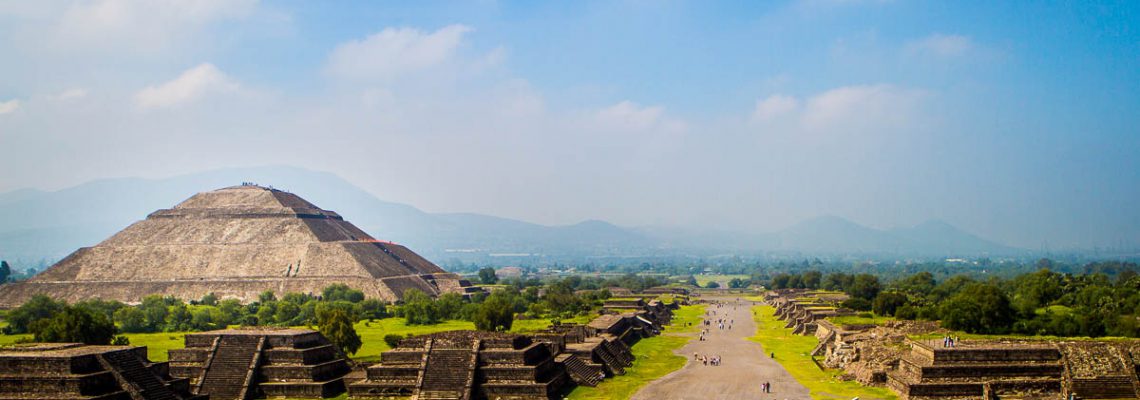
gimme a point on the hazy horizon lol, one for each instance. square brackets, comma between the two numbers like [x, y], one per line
[1015, 123]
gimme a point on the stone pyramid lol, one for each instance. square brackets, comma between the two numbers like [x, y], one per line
[235, 242]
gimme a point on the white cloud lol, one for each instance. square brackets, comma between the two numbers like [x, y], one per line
[71, 94]
[861, 106]
[774, 106]
[842, 110]
[396, 51]
[191, 85]
[146, 24]
[9, 106]
[943, 46]
[630, 115]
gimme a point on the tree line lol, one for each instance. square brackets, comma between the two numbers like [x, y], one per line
[1043, 302]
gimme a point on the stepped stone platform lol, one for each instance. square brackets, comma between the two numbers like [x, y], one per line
[801, 309]
[465, 365]
[493, 365]
[1018, 369]
[260, 362]
[78, 371]
[971, 369]
[236, 242]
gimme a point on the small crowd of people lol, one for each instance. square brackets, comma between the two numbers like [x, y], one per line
[949, 341]
[706, 359]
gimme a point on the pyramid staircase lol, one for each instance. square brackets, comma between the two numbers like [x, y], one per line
[229, 374]
[580, 373]
[447, 374]
[128, 366]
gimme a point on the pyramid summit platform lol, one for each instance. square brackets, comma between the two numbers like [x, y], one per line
[235, 242]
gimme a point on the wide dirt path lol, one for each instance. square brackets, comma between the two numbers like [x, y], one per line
[744, 366]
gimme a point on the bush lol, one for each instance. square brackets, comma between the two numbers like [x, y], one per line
[978, 308]
[857, 304]
[74, 325]
[393, 340]
[906, 312]
[886, 303]
[495, 314]
[37, 308]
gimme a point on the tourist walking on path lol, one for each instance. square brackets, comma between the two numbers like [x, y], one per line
[746, 366]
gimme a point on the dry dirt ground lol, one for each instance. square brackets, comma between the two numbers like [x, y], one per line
[744, 365]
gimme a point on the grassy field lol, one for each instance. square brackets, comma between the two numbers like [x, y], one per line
[857, 320]
[655, 359]
[371, 333]
[793, 352]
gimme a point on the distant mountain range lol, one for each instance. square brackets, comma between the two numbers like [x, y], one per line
[36, 225]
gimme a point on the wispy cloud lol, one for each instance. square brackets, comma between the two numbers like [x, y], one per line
[395, 51]
[191, 85]
[9, 106]
[941, 45]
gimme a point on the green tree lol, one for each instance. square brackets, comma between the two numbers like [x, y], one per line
[488, 276]
[131, 320]
[341, 291]
[286, 313]
[155, 311]
[75, 325]
[37, 308]
[372, 309]
[210, 299]
[5, 271]
[886, 303]
[336, 325]
[266, 296]
[419, 309]
[978, 308]
[865, 286]
[712, 285]
[811, 279]
[495, 314]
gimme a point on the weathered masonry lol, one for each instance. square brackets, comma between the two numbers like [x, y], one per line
[77, 371]
[260, 362]
[490, 365]
[236, 242]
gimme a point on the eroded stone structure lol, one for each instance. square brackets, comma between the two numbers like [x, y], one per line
[77, 371]
[802, 308]
[236, 242]
[970, 369]
[491, 365]
[260, 362]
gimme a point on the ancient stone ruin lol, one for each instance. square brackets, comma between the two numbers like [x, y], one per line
[77, 371]
[1017, 369]
[802, 308]
[969, 369]
[492, 365]
[236, 242]
[260, 362]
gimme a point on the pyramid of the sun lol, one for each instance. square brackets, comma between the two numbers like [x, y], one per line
[235, 242]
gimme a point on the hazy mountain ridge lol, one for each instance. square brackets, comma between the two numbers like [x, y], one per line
[38, 224]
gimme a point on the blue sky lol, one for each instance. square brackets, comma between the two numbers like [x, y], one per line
[1014, 120]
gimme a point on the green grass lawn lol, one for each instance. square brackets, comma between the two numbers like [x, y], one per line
[654, 359]
[857, 320]
[794, 353]
[371, 333]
